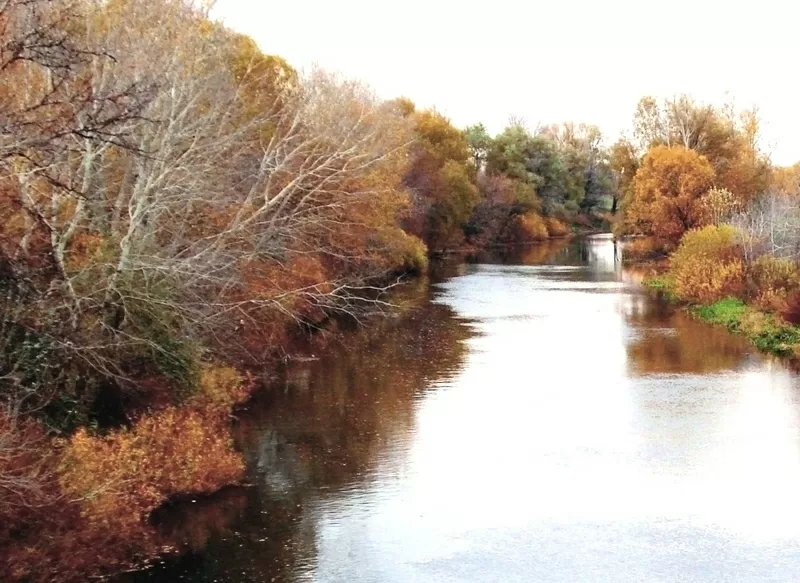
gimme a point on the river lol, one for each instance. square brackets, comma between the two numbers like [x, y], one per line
[536, 418]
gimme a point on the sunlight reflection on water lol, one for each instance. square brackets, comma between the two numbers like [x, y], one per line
[546, 422]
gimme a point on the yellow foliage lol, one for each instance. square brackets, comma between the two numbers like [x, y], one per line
[666, 193]
[708, 265]
[531, 227]
[223, 387]
[122, 477]
[786, 179]
[411, 253]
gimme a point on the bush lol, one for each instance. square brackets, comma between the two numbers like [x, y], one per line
[122, 477]
[556, 228]
[222, 387]
[414, 255]
[791, 313]
[771, 281]
[708, 265]
[525, 229]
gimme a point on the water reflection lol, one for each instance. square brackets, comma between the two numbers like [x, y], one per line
[537, 418]
[326, 430]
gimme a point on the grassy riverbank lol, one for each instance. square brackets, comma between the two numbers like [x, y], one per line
[765, 330]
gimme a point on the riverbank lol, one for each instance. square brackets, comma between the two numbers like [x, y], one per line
[366, 464]
[763, 329]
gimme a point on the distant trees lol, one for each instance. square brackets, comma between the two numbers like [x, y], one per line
[563, 172]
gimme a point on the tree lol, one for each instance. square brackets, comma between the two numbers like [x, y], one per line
[624, 163]
[441, 181]
[667, 193]
[726, 137]
[480, 143]
[141, 217]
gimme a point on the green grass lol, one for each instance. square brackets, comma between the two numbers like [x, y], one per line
[762, 329]
[776, 338]
[727, 312]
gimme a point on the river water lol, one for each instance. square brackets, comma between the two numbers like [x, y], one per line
[537, 418]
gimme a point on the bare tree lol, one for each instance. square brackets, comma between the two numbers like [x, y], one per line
[771, 225]
[165, 185]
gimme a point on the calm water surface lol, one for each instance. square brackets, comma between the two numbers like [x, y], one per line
[536, 419]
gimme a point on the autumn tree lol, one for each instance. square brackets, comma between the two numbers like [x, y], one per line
[729, 139]
[667, 191]
[786, 179]
[441, 181]
[141, 217]
[624, 164]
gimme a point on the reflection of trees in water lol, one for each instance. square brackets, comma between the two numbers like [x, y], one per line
[668, 340]
[321, 429]
[329, 429]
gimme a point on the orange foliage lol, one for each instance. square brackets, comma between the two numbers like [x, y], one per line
[708, 265]
[26, 464]
[786, 179]
[122, 477]
[527, 228]
[556, 228]
[666, 192]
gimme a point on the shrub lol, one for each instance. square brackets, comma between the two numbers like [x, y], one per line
[222, 387]
[556, 228]
[772, 279]
[122, 477]
[708, 265]
[532, 227]
[524, 229]
[791, 313]
[414, 254]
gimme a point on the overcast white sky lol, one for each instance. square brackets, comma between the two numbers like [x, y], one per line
[559, 60]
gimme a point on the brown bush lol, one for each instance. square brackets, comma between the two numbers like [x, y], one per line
[223, 387]
[708, 265]
[771, 280]
[121, 477]
[556, 228]
[525, 229]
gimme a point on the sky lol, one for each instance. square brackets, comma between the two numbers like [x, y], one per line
[547, 62]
